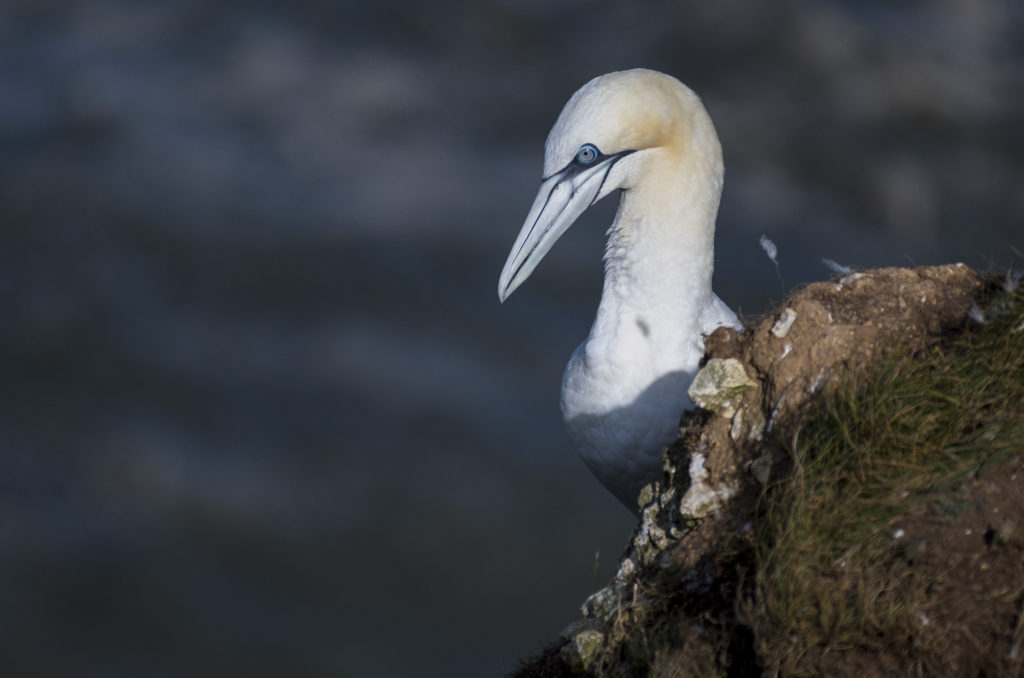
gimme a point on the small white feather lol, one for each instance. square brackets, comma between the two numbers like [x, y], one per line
[975, 314]
[836, 267]
[769, 248]
[1012, 280]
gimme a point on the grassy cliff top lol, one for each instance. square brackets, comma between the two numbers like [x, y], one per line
[895, 544]
[869, 517]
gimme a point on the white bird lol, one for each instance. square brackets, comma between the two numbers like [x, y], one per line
[624, 389]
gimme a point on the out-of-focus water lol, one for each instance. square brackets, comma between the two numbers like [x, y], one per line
[261, 411]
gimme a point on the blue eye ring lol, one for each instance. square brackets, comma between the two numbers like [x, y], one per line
[588, 154]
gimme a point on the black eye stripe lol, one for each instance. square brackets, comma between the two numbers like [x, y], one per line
[575, 166]
[614, 159]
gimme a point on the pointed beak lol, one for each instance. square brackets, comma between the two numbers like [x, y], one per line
[562, 198]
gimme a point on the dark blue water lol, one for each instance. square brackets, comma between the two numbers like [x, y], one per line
[261, 411]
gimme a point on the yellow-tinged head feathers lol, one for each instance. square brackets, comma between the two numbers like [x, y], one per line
[633, 110]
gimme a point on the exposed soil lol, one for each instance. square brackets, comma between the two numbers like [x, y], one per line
[965, 552]
[969, 548]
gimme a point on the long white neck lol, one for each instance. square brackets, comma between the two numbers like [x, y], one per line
[658, 267]
[624, 388]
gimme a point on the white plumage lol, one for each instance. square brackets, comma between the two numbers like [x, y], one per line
[624, 389]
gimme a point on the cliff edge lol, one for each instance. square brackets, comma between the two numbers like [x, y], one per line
[848, 501]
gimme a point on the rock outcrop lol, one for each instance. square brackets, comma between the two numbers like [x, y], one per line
[754, 388]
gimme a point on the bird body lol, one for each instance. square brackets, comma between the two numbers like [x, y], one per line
[624, 388]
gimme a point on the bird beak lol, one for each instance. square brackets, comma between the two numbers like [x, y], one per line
[562, 198]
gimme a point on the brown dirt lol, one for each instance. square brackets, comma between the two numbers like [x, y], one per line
[966, 554]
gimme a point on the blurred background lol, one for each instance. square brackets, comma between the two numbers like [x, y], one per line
[262, 413]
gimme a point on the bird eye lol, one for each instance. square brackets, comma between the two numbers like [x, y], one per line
[587, 154]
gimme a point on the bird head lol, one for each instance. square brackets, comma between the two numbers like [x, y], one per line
[604, 137]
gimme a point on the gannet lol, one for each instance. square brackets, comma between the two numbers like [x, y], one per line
[648, 136]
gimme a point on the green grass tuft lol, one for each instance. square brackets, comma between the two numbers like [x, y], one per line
[832, 578]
